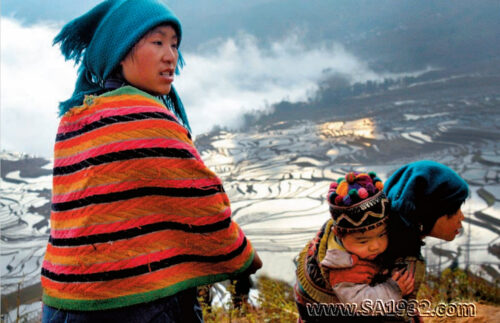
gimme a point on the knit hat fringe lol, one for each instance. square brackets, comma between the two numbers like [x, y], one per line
[179, 108]
[74, 38]
[180, 63]
[85, 85]
[76, 35]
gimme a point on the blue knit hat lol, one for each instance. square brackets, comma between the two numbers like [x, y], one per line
[423, 191]
[103, 37]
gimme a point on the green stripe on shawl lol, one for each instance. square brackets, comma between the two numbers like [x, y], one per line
[104, 304]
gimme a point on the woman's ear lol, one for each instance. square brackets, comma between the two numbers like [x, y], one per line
[124, 60]
[120, 70]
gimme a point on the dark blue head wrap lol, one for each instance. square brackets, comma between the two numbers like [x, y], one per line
[101, 38]
[423, 191]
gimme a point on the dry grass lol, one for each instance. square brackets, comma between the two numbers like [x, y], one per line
[276, 303]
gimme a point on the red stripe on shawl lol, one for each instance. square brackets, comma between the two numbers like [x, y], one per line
[140, 260]
[135, 246]
[143, 283]
[129, 185]
[196, 169]
[112, 130]
[138, 222]
[125, 145]
[163, 202]
[99, 111]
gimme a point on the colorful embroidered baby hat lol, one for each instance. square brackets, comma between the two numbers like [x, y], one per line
[357, 202]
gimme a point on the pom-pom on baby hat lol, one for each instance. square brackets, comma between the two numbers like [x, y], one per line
[357, 202]
[423, 191]
[101, 38]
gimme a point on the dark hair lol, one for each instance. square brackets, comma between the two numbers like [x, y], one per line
[453, 209]
[445, 210]
[149, 32]
[339, 233]
[403, 241]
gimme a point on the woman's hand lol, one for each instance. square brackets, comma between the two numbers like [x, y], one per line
[405, 281]
[256, 265]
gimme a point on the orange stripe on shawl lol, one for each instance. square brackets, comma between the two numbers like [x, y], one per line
[108, 252]
[149, 128]
[143, 283]
[76, 114]
[143, 168]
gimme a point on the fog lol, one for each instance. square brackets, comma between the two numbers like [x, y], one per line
[222, 80]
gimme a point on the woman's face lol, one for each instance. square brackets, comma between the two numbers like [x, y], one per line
[150, 65]
[448, 226]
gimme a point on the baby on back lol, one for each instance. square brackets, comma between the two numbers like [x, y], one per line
[339, 264]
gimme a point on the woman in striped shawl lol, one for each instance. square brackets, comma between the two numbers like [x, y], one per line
[138, 220]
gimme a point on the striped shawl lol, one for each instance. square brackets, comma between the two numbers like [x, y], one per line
[136, 214]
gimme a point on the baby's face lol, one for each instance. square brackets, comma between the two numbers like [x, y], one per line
[367, 245]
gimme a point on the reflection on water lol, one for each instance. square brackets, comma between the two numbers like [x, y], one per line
[277, 179]
[364, 127]
[280, 176]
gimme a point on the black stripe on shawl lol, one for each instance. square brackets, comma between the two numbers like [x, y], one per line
[138, 192]
[135, 232]
[123, 155]
[143, 269]
[112, 120]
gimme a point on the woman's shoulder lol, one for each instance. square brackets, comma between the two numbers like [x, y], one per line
[124, 100]
[123, 105]
[129, 91]
[123, 97]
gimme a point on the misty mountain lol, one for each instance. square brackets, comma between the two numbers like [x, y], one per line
[278, 167]
[277, 170]
[396, 35]
[338, 98]
[391, 34]
[277, 176]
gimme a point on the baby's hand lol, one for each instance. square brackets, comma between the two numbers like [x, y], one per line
[405, 280]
